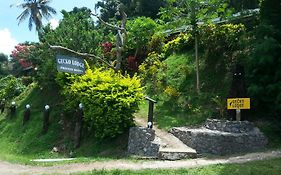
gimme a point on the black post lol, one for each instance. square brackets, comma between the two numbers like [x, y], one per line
[26, 115]
[2, 105]
[13, 109]
[78, 126]
[46, 119]
[150, 112]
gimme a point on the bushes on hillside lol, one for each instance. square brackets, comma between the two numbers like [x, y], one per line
[10, 87]
[109, 99]
[179, 44]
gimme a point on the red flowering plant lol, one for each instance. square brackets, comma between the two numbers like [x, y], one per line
[107, 47]
[132, 63]
[108, 51]
[21, 54]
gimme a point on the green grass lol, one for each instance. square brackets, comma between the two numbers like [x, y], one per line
[265, 167]
[182, 105]
[20, 143]
[272, 130]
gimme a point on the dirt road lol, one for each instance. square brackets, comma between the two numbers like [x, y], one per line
[16, 169]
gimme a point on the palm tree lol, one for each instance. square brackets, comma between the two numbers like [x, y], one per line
[35, 10]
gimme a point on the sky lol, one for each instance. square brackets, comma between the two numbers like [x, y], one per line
[11, 33]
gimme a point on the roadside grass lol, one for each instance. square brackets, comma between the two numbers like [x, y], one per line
[265, 167]
[20, 144]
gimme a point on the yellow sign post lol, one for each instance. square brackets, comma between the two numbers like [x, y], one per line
[238, 104]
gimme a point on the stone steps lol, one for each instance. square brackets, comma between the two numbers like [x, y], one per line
[171, 148]
[176, 154]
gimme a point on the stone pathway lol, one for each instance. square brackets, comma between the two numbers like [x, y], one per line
[171, 147]
[16, 169]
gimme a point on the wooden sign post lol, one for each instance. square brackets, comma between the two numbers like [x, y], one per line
[238, 104]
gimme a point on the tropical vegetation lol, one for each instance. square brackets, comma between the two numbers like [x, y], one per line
[167, 46]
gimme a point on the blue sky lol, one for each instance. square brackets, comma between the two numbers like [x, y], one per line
[11, 33]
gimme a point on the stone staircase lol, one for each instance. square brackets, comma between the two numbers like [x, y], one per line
[171, 148]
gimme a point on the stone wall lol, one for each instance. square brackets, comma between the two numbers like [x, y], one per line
[229, 126]
[222, 137]
[142, 142]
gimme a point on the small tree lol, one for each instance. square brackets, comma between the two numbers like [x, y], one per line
[190, 14]
[140, 31]
[121, 34]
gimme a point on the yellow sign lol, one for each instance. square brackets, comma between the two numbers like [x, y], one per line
[238, 103]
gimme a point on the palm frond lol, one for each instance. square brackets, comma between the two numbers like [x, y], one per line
[23, 15]
[35, 9]
[30, 23]
[46, 11]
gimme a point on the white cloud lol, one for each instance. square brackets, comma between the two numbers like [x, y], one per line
[7, 43]
[54, 23]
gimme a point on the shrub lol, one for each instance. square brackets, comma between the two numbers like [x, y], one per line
[151, 71]
[109, 99]
[10, 87]
[178, 44]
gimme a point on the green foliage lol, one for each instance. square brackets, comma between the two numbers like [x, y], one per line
[180, 43]
[150, 72]
[271, 13]
[179, 13]
[10, 87]
[133, 8]
[264, 72]
[3, 57]
[156, 42]
[3, 64]
[220, 106]
[140, 31]
[76, 31]
[222, 44]
[170, 82]
[110, 99]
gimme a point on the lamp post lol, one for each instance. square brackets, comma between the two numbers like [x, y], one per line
[26, 115]
[46, 116]
[2, 105]
[78, 125]
[13, 108]
[150, 112]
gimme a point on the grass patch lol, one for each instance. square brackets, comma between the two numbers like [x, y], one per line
[20, 144]
[272, 130]
[179, 104]
[264, 167]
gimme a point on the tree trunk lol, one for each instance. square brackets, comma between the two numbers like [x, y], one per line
[197, 65]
